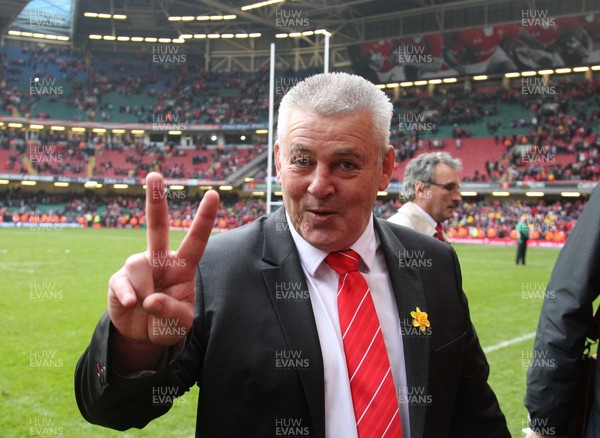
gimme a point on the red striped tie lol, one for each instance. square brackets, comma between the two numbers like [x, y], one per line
[371, 383]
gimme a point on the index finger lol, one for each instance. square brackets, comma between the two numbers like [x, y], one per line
[194, 242]
[157, 216]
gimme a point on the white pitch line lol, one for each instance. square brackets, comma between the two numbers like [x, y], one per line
[509, 342]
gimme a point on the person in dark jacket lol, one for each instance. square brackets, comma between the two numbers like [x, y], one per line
[566, 317]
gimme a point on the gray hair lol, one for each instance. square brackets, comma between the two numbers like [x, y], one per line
[334, 94]
[422, 168]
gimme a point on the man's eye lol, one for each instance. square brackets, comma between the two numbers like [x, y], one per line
[348, 165]
[301, 161]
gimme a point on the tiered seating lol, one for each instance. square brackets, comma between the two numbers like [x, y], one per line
[474, 153]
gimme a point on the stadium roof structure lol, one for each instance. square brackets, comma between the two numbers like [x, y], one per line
[207, 26]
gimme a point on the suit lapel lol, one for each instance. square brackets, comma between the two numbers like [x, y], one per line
[295, 315]
[409, 294]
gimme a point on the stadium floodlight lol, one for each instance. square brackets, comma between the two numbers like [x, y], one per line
[174, 132]
[295, 34]
[570, 194]
[61, 184]
[188, 18]
[563, 70]
[500, 193]
[176, 187]
[4, 181]
[281, 35]
[480, 78]
[95, 37]
[229, 17]
[200, 35]
[512, 75]
[77, 129]
[137, 39]
[241, 35]
[420, 83]
[382, 193]
[380, 86]
[392, 85]
[186, 36]
[119, 186]
[406, 84]
[137, 131]
[105, 16]
[534, 194]
[164, 40]
[214, 35]
[178, 41]
[322, 32]
[468, 194]
[595, 67]
[227, 35]
[57, 128]
[449, 80]
[278, 193]
[36, 126]
[225, 188]
[216, 17]
[581, 69]
[528, 73]
[258, 193]
[202, 18]
[205, 187]
[255, 35]
[99, 130]
[90, 184]
[28, 183]
[434, 81]
[308, 33]
[249, 179]
[118, 131]
[545, 72]
[174, 18]
[15, 125]
[109, 37]
[260, 4]
[123, 38]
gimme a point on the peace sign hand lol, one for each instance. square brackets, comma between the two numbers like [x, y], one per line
[151, 298]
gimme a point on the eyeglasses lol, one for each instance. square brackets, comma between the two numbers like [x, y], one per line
[450, 187]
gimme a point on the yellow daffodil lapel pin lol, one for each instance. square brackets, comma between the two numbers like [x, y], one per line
[420, 319]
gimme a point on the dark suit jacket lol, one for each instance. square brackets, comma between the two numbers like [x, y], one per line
[566, 317]
[244, 323]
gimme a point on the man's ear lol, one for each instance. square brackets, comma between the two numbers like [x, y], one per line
[276, 158]
[389, 160]
[419, 189]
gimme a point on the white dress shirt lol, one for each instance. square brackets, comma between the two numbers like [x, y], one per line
[322, 282]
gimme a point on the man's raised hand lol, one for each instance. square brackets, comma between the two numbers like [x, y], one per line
[151, 299]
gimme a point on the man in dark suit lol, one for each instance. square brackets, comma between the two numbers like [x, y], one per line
[264, 324]
[566, 317]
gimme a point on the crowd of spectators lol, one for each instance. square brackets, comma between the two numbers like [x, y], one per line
[563, 114]
[496, 219]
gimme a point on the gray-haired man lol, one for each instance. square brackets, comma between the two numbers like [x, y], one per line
[432, 191]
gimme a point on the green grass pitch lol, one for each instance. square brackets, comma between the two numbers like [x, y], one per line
[53, 290]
